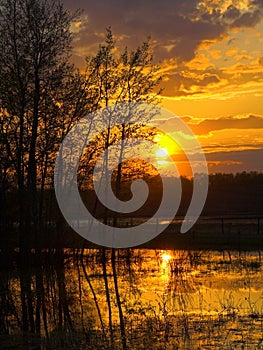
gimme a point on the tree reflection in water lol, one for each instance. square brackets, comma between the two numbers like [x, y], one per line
[130, 299]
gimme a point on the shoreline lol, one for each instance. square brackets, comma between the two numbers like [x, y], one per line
[220, 235]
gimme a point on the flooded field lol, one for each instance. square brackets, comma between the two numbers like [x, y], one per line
[132, 299]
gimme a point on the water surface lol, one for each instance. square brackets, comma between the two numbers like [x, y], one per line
[132, 299]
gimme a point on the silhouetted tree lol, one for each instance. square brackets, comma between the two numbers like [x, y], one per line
[41, 95]
[125, 77]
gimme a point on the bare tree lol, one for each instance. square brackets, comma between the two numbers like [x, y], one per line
[41, 94]
[119, 77]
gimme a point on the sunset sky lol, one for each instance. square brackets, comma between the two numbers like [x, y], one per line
[211, 56]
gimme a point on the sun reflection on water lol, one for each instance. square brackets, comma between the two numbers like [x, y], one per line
[165, 257]
[165, 265]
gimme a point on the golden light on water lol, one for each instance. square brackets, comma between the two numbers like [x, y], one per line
[165, 267]
[165, 257]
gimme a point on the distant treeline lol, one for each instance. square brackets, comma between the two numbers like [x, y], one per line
[240, 194]
[239, 179]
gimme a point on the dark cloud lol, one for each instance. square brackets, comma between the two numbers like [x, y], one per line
[228, 161]
[247, 146]
[248, 19]
[177, 84]
[167, 23]
[177, 27]
[235, 161]
[232, 12]
[209, 125]
[257, 4]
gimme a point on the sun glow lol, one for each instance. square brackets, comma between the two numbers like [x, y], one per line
[167, 146]
[161, 153]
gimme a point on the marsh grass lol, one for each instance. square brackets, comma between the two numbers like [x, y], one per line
[165, 304]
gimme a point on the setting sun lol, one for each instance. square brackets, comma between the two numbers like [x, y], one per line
[162, 152]
[167, 145]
